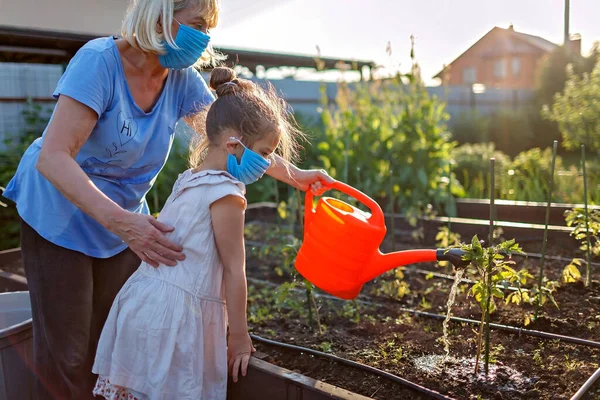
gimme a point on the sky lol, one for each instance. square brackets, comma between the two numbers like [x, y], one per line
[354, 29]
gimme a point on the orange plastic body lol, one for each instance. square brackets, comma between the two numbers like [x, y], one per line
[340, 252]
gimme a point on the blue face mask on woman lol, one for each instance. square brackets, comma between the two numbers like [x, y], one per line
[191, 43]
[250, 168]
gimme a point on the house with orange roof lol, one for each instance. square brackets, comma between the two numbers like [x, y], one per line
[501, 59]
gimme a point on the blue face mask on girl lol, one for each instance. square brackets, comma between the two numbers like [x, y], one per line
[191, 42]
[250, 168]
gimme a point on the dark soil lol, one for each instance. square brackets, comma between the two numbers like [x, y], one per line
[351, 379]
[525, 367]
[384, 337]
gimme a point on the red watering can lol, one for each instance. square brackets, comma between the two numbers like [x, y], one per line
[340, 252]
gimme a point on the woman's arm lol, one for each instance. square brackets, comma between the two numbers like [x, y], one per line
[228, 224]
[302, 179]
[69, 129]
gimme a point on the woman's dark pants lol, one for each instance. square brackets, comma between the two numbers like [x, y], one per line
[71, 295]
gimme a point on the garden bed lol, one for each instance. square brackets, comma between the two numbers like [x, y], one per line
[401, 343]
[376, 330]
[386, 332]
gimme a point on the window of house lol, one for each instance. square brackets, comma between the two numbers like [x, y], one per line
[469, 75]
[516, 66]
[500, 69]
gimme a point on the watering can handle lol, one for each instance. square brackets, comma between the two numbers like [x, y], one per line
[376, 218]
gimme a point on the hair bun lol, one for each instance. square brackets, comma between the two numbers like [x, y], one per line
[223, 80]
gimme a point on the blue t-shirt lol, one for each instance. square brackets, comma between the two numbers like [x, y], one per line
[123, 155]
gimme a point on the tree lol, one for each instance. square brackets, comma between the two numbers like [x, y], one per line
[577, 110]
[551, 79]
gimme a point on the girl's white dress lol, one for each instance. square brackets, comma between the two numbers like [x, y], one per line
[165, 336]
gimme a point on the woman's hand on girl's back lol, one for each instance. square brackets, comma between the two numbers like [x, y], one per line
[239, 350]
[145, 236]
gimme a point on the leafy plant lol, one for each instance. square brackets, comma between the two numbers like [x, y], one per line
[576, 218]
[496, 351]
[537, 357]
[528, 177]
[259, 301]
[395, 287]
[472, 164]
[587, 232]
[351, 310]
[571, 365]
[490, 268]
[570, 273]
[325, 347]
[492, 274]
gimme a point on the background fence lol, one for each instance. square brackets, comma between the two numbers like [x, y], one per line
[19, 82]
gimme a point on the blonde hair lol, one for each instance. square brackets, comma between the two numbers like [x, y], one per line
[250, 110]
[141, 23]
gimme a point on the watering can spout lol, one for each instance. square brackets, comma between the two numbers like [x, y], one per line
[382, 263]
[454, 256]
[386, 262]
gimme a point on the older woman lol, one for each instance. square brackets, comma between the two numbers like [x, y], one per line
[80, 188]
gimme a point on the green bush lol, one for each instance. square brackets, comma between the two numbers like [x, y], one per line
[568, 186]
[528, 177]
[472, 168]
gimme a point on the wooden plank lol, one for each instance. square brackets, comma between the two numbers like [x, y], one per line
[268, 381]
[466, 227]
[516, 211]
[11, 282]
[10, 256]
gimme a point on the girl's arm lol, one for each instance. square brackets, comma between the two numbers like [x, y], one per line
[227, 216]
[301, 179]
[69, 129]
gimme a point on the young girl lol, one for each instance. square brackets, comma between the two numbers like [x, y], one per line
[166, 334]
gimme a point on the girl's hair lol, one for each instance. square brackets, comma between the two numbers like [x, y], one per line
[251, 110]
[141, 25]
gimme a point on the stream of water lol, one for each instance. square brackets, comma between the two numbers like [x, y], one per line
[449, 303]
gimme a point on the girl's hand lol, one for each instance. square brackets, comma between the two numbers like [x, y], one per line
[313, 179]
[239, 349]
[302, 179]
[145, 236]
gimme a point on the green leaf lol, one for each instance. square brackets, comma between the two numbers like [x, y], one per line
[570, 273]
[476, 245]
[496, 292]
